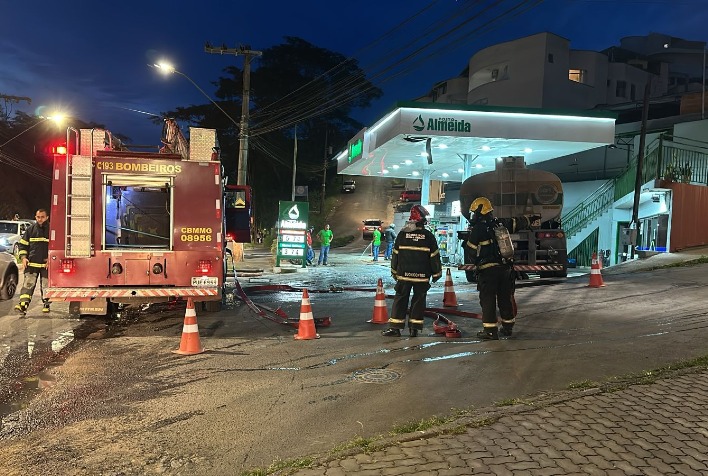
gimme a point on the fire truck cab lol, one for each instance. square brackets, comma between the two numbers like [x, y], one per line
[136, 227]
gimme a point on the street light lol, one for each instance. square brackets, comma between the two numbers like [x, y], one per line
[58, 118]
[167, 68]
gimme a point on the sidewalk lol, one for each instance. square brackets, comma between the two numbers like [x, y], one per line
[655, 429]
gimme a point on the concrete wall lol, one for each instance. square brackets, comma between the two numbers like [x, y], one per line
[510, 74]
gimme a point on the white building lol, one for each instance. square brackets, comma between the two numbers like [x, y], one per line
[541, 71]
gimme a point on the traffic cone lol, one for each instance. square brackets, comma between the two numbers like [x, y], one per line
[190, 344]
[449, 298]
[380, 315]
[595, 274]
[306, 326]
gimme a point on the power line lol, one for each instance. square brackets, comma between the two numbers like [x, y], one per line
[344, 91]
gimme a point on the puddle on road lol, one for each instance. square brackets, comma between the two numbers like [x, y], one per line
[26, 365]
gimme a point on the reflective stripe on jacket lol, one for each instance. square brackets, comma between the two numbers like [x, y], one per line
[34, 245]
[416, 257]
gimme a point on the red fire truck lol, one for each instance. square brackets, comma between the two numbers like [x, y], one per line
[136, 227]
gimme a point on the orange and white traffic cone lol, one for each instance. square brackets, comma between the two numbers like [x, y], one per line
[449, 298]
[595, 274]
[306, 326]
[380, 315]
[190, 344]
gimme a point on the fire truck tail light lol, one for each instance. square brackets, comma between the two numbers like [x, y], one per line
[204, 266]
[67, 266]
[550, 234]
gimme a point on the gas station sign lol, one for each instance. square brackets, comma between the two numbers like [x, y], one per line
[292, 229]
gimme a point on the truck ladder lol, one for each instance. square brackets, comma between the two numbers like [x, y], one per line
[79, 191]
[78, 206]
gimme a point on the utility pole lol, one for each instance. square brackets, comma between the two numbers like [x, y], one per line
[248, 55]
[292, 196]
[638, 182]
[324, 173]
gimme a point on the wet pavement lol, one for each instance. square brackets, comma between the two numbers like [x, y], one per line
[640, 424]
[257, 395]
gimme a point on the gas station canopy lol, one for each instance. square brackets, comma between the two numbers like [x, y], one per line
[437, 139]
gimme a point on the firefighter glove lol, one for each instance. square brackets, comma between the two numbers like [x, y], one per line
[436, 279]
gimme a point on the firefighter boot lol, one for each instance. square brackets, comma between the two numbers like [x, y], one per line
[391, 332]
[45, 307]
[22, 308]
[488, 333]
[413, 332]
[506, 330]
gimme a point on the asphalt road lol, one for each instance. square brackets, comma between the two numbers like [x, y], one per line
[258, 395]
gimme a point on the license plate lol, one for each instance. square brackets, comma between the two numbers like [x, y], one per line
[204, 281]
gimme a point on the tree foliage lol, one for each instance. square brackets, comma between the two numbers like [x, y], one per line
[294, 86]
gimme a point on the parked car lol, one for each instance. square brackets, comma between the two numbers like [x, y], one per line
[348, 186]
[370, 225]
[10, 233]
[9, 274]
[410, 196]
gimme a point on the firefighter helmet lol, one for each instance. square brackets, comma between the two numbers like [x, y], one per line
[418, 214]
[481, 206]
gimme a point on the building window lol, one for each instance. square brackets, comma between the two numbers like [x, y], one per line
[577, 75]
[550, 57]
[621, 89]
[632, 92]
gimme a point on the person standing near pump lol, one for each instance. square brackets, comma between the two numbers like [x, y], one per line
[415, 259]
[390, 239]
[310, 252]
[495, 273]
[375, 244]
[34, 251]
[325, 235]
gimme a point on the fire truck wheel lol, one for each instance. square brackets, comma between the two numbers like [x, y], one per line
[212, 306]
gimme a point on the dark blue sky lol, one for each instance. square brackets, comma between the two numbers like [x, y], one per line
[90, 58]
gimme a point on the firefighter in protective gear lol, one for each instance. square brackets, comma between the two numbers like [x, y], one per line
[415, 259]
[495, 274]
[34, 251]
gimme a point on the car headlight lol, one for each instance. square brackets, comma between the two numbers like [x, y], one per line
[4, 241]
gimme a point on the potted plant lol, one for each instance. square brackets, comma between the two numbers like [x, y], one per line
[671, 172]
[684, 172]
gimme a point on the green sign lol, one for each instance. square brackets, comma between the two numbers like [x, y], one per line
[355, 149]
[292, 229]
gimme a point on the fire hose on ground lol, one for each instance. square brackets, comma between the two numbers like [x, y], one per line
[441, 324]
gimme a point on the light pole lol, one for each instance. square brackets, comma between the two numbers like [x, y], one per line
[167, 68]
[248, 55]
[58, 118]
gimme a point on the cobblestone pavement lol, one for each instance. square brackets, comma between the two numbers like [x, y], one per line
[654, 429]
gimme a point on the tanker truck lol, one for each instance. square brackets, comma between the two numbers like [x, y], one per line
[515, 190]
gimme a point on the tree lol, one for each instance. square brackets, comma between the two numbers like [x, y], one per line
[294, 83]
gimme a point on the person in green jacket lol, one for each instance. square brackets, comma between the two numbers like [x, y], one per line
[376, 243]
[325, 237]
